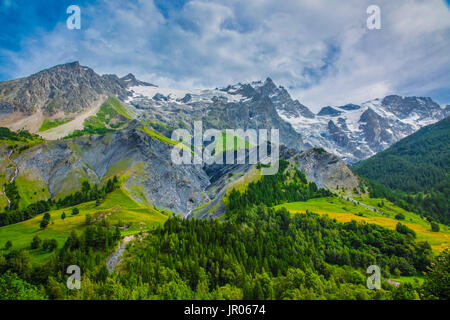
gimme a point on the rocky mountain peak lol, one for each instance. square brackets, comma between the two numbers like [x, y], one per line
[131, 81]
[329, 111]
[404, 107]
[67, 88]
[350, 107]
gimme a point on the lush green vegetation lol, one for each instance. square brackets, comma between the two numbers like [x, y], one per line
[45, 281]
[21, 139]
[347, 211]
[287, 185]
[49, 124]
[263, 249]
[437, 284]
[414, 173]
[118, 208]
[257, 253]
[415, 164]
[158, 136]
[86, 194]
[20, 136]
[111, 116]
[435, 205]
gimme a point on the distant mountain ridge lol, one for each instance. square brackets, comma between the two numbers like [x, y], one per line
[356, 132]
[353, 132]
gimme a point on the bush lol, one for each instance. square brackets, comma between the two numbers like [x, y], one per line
[8, 245]
[45, 220]
[400, 216]
[401, 228]
[75, 211]
[435, 227]
[50, 245]
[36, 242]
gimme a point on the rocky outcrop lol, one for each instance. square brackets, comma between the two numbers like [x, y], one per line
[146, 163]
[326, 170]
[404, 107]
[329, 111]
[130, 81]
[282, 100]
[64, 88]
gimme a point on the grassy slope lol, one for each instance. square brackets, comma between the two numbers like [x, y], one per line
[25, 186]
[345, 211]
[31, 191]
[49, 124]
[110, 109]
[158, 136]
[101, 122]
[117, 206]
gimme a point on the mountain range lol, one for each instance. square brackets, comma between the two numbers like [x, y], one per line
[137, 119]
[87, 179]
[352, 132]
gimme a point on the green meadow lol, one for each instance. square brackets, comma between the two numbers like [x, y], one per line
[118, 208]
[50, 124]
[346, 211]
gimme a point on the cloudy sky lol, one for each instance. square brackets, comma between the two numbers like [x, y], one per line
[321, 50]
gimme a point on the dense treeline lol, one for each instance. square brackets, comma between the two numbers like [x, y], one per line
[252, 254]
[435, 205]
[257, 253]
[13, 195]
[88, 131]
[87, 193]
[415, 164]
[21, 135]
[416, 172]
[287, 185]
[21, 280]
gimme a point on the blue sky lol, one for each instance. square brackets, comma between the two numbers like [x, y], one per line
[320, 49]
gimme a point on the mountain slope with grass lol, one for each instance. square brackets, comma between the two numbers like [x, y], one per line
[416, 170]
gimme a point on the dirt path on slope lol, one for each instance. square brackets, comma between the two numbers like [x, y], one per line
[16, 168]
[16, 173]
[115, 258]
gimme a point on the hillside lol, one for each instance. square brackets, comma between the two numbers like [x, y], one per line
[418, 163]
[95, 182]
[254, 252]
[118, 208]
[414, 173]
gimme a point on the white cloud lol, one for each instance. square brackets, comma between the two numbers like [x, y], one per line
[320, 48]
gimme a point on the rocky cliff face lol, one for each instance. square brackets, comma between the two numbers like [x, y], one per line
[67, 88]
[148, 173]
[353, 132]
[326, 170]
[131, 153]
[357, 132]
[239, 107]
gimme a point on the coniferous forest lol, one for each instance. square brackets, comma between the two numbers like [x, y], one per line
[255, 253]
[413, 173]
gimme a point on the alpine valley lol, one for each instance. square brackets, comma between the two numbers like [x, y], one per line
[87, 179]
